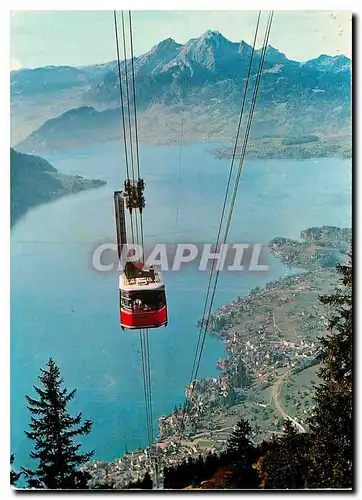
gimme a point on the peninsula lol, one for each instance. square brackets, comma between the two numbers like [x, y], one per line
[33, 180]
[298, 148]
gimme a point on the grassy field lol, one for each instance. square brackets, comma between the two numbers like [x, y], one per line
[281, 323]
[297, 392]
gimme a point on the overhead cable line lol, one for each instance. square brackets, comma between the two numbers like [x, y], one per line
[192, 376]
[127, 94]
[143, 333]
[227, 186]
[204, 325]
[122, 109]
[181, 149]
[135, 120]
[133, 214]
[134, 93]
[241, 163]
[138, 233]
[143, 368]
[148, 373]
[121, 92]
[144, 338]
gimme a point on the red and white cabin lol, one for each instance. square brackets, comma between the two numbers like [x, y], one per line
[142, 300]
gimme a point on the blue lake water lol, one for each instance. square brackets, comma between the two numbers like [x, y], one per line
[62, 308]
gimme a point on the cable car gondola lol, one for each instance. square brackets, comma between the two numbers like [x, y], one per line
[142, 299]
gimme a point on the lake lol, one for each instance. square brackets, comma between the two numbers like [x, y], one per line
[61, 307]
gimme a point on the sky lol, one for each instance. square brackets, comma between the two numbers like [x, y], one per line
[76, 38]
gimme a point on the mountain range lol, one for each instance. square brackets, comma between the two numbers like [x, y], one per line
[199, 83]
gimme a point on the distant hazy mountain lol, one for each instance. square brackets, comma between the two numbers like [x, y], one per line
[211, 59]
[164, 71]
[204, 78]
[330, 63]
[33, 81]
[34, 180]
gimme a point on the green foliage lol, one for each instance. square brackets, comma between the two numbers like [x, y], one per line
[286, 460]
[239, 440]
[144, 484]
[14, 476]
[299, 140]
[240, 377]
[230, 398]
[305, 363]
[331, 424]
[322, 458]
[318, 458]
[328, 236]
[241, 454]
[320, 247]
[193, 471]
[53, 433]
[34, 180]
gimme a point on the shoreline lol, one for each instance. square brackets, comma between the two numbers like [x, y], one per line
[259, 149]
[70, 184]
[217, 402]
[274, 149]
[271, 343]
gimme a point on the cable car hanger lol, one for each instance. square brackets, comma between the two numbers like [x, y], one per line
[142, 290]
[142, 298]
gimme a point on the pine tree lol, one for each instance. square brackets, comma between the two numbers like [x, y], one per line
[285, 460]
[331, 425]
[53, 433]
[239, 440]
[322, 457]
[14, 476]
[144, 484]
[242, 455]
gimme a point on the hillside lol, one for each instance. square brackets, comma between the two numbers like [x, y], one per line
[203, 80]
[323, 247]
[298, 148]
[271, 361]
[33, 180]
[272, 347]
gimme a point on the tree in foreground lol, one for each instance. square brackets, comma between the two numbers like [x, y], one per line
[284, 461]
[239, 442]
[53, 433]
[145, 484]
[14, 476]
[319, 458]
[322, 457]
[331, 425]
[242, 454]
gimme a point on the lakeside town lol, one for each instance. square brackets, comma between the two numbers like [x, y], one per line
[270, 337]
[299, 148]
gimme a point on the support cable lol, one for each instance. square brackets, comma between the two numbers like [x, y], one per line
[227, 186]
[145, 390]
[122, 109]
[121, 93]
[204, 325]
